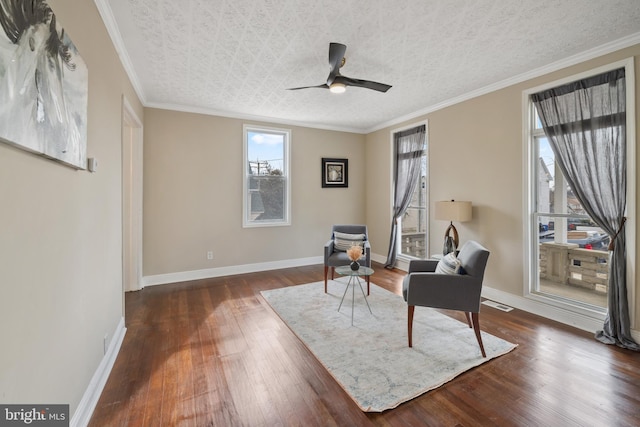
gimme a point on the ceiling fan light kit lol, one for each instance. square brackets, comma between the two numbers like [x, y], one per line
[336, 82]
[337, 88]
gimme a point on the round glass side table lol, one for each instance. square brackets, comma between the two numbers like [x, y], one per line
[354, 278]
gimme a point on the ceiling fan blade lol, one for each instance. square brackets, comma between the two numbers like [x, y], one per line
[336, 54]
[367, 84]
[322, 86]
[336, 60]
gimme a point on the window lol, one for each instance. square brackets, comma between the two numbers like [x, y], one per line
[568, 252]
[563, 228]
[413, 223]
[266, 187]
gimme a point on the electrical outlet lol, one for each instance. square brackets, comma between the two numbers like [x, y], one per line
[210, 255]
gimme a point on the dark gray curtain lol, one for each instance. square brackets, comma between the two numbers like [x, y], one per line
[585, 123]
[409, 147]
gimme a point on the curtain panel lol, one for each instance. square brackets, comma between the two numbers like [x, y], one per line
[585, 122]
[408, 147]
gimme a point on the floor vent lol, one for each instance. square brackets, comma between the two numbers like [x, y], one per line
[497, 305]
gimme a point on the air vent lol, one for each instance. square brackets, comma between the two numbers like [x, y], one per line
[497, 305]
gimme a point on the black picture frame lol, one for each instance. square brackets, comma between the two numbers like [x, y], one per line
[335, 173]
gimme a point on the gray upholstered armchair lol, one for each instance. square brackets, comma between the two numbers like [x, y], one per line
[424, 287]
[334, 257]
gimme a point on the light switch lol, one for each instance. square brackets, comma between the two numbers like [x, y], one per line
[92, 164]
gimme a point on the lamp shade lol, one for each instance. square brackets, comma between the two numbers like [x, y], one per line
[453, 211]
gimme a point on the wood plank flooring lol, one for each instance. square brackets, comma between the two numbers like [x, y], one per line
[213, 353]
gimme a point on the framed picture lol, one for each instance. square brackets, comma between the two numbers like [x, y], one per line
[43, 84]
[335, 172]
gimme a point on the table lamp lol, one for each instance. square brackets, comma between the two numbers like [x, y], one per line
[452, 211]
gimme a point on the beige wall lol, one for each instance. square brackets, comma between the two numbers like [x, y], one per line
[60, 240]
[476, 153]
[193, 194]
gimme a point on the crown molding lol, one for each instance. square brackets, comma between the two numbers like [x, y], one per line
[114, 32]
[587, 55]
[250, 117]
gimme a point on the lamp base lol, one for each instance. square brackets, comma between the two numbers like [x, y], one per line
[450, 242]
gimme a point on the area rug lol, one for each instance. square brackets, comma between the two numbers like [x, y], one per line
[371, 359]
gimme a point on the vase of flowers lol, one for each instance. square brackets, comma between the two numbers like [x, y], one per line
[354, 253]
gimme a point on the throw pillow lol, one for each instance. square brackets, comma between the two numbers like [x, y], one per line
[449, 264]
[343, 241]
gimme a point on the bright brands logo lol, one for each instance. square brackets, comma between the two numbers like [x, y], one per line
[36, 415]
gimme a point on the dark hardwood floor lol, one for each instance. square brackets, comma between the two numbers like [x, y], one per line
[213, 353]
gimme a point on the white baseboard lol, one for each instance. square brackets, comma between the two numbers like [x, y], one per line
[577, 320]
[83, 413]
[401, 263]
[85, 409]
[185, 276]
[382, 259]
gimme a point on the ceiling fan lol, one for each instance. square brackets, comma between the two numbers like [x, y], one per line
[336, 82]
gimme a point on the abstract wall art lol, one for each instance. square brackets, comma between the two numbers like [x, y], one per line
[43, 84]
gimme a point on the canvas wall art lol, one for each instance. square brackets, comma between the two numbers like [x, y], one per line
[43, 84]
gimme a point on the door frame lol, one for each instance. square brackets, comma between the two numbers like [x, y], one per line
[132, 198]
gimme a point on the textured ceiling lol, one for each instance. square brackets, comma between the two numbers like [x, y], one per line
[237, 57]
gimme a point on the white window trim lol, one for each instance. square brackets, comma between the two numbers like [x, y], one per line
[245, 173]
[528, 201]
[399, 255]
